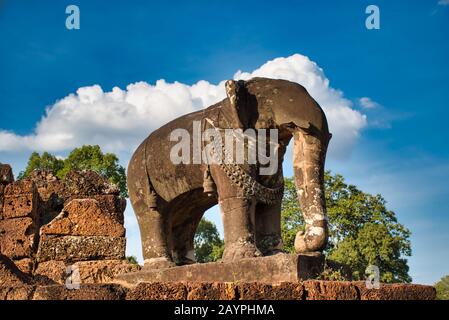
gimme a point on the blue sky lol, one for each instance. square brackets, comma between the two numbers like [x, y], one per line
[401, 151]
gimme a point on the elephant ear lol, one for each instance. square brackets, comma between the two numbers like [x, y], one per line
[242, 107]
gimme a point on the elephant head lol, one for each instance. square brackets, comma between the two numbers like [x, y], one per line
[287, 106]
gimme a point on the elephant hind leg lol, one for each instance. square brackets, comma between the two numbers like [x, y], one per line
[155, 234]
[154, 224]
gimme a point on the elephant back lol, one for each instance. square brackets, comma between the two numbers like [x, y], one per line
[168, 179]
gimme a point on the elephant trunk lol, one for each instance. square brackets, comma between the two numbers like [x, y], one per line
[309, 154]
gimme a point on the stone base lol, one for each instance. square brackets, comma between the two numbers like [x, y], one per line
[99, 271]
[271, 269]
[307, 290]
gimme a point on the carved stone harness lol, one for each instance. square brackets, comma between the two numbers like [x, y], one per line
[240, 178]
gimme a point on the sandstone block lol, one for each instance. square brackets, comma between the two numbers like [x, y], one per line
[19, 292]
[25, 265]
[83, 218]
[87, 183]
[17, 237]
[264, 291]
[22, 205]
[399, 291]
[50, 190]
[20, 200]
[158, 291]
[10, 275]
[270, 269]
[85, 292]
[20, 187]
[103, 271]
[110, 204]
[211, 291]
[330, 290]
[99, 271]
[46, 183]
[6, 175]
[51, 272]
[80, 248]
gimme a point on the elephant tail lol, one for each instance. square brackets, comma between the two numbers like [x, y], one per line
[139, 181]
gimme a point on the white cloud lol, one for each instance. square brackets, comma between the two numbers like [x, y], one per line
[345, 123]
[443, 2]
[367, 103]
[118, 120]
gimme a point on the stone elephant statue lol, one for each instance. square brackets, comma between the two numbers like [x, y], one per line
[169, 198]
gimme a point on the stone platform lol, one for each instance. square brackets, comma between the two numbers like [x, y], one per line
[306, 290]
[271, 269]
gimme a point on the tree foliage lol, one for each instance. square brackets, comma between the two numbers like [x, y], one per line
[132, 260]
[207, 242]
[84, 158]
[362, 230]
[46, 161]
[442, 288]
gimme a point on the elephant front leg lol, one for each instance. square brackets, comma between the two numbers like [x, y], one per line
[268, 228]
[238, 223]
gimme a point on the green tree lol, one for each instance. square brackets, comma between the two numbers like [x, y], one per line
[132, 260]
[92, 158]
[207, 242]
[442, 288]
[362, 231]
[84, 158]
[46, 161]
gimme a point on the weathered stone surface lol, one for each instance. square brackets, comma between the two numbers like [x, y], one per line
[20, 200]
[2, 197]
[20, 187]
[46, 183]
[51, 272]
[51, 191]
[17, 237]
[216, 291]
[211, 291]
[104, 271]
[80, 248]
[111, 204]
[83, 217]
[19, 292]
[10, 275]
[271, 269]
[25, 265]
[330, 290]
[6, 175]
[398, 291]
[264, 291]
[20, 206]
[100, 271]
[158, 291]
[87, 183]
[85, 292]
